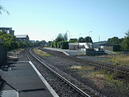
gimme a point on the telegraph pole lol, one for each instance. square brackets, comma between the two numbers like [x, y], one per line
[68, 34]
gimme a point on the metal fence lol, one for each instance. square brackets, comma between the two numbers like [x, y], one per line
[3, 56]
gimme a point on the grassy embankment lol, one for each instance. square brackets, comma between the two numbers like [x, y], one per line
[106, 79]
[15, 52]
[40, 52]
[102, 78]
[122, 60]
[118, 59]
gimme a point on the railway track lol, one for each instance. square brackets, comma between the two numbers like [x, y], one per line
[109, 67]
[61, 85]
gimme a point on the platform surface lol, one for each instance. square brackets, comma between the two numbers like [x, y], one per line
[24, 79]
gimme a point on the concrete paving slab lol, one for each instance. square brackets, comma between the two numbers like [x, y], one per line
[24, 79]
[10, 93]
[68, 52]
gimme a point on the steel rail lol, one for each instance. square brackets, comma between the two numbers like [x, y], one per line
[59, 75]
[108, 67]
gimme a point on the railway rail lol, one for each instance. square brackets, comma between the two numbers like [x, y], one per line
[109, 67]
[70, 89]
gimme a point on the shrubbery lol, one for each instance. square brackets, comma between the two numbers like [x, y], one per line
[120, 43]
[10, 42]
[60, 42]
[64, 45]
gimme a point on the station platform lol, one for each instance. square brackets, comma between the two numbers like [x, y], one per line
[24, 81]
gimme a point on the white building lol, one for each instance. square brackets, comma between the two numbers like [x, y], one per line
[22, 37]
[73, 46]
[76, 46]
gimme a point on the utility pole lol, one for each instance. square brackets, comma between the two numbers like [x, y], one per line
[90, 32]
[99, 38]
[68, 34]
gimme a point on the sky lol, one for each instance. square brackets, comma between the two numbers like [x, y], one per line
[45, 19]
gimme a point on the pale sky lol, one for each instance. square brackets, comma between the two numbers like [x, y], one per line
[44, 19]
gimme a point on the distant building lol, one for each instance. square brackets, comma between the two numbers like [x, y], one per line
[111, 47]
[75, 46]
[99, 44]
[7, 30]
[86, 45]
[32, 41]
[104, 45]
[22, 37]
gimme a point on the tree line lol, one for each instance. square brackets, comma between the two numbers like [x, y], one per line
[122, 42]
[61, 41]
[10, 42]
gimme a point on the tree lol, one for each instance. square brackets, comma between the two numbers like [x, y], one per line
[125, 42]
[88, 39]
[64, 45]
[43, 42]
[65, 37]
[8, 41]
[73, 40]
[114, 41]
[2, 9]
[50, 43]
[59, 38]
[127, 34]
[81, 39]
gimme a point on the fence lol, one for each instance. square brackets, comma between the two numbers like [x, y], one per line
[3, 56]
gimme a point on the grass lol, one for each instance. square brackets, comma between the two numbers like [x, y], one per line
[120, 59]
[76, 67]
[15, 52]
[108, 79]
[102, 78]
[40, 52]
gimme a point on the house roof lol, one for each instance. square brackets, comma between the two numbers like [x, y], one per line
[21, 36]
[5, 28]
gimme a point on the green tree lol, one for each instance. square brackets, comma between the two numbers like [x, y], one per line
[73, 40]
[65, 37]
[88, 39]
[3, 10]
[114, 41]
[127, 34]
[59, 38]
[81, 39]
[50, 43]
[8, 41]
[125, 42]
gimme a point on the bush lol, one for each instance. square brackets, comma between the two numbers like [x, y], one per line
[64, 45]
[116, 48]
